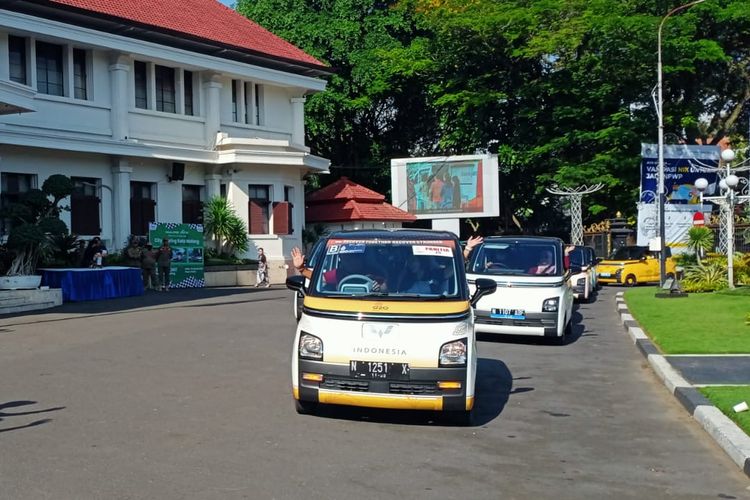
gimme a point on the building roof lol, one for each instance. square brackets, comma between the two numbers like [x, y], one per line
[208, 20]
[345, 200]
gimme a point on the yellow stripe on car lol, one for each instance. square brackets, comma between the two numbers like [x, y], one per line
[389, 307]
[382, 401]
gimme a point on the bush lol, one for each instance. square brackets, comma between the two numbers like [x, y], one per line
[709, 276]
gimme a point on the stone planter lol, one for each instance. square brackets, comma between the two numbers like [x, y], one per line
[20, 282]
[240, 275]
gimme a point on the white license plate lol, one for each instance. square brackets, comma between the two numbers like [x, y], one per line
[605, 275]
[508, 314]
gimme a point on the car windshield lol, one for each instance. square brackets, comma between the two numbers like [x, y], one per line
[580, 256]
[389, 269]
[628, 253]
[518, 258]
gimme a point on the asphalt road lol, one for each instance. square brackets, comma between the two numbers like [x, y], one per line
[187, 395]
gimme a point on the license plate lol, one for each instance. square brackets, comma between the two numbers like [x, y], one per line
[508, 314]
[379, 370]
[605, 275]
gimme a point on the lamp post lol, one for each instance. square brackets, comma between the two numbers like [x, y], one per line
[660, 117]
[728, 186]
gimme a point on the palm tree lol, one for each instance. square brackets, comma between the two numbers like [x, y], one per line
[222, 224]
[700, 240]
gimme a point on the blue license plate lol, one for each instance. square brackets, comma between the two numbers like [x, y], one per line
[508, 314]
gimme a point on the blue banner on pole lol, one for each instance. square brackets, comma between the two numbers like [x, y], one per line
[683, 165]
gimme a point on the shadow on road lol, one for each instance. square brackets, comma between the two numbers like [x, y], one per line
[494, 385]
[577, 327]
[161, 300]
[16, 404]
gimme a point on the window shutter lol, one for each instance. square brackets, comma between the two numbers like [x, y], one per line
[258, 224]
[281, 217]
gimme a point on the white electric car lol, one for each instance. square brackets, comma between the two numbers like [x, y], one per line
[583, 278]
[387, 322]
[533, 296]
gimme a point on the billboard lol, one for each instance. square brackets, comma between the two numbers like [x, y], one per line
[449, 187]
[683, 164]
[186, 241]
[678, 219]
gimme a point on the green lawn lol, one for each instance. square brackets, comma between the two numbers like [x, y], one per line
[726, 397]
[702, 323]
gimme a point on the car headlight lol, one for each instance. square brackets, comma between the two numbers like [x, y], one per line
[550, 305]
[453, 353]
[581, 282]
[310, 347]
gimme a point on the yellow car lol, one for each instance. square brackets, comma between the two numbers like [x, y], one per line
[633, 265]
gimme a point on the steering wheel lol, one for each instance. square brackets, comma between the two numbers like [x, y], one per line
[365, 280]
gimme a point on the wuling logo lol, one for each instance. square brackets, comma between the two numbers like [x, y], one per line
[372, 330]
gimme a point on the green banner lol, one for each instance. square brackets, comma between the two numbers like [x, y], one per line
[186, 241]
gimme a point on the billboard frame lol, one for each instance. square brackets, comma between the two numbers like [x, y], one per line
[490, 185]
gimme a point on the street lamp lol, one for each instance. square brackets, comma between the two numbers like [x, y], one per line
[660, 117]
[727, 201]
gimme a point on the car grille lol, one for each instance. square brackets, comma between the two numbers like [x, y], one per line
[345, 384]
[413, 388]
[529, 322]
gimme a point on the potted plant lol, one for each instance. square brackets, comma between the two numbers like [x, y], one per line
[225, 228]
[35, 222]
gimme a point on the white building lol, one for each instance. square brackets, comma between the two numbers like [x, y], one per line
[152, 107]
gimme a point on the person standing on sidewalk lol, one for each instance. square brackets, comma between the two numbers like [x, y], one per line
[261, 277]
[148, 266]
[133, 253]
[164, 261]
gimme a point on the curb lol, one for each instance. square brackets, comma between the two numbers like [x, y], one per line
[731, 438]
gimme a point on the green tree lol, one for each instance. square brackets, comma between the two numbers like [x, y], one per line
[224, 227]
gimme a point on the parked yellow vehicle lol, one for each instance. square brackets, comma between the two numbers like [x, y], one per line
[632, 265]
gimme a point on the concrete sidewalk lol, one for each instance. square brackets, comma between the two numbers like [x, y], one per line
[682, 374]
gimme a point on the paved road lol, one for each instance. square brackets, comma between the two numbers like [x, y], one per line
[190, 399]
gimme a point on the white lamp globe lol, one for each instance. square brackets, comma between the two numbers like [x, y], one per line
[701, 184]
[732, 181]
[723, 184]
[727, 155]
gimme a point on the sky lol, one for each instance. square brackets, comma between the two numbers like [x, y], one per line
[229, 3]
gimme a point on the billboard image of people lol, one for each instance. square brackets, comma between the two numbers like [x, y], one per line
[449, 187]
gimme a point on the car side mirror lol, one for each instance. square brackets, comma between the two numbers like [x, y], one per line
[296, 283]
[576, 269]
[599, 259]
[484, 287]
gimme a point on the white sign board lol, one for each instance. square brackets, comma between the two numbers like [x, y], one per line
[678, 219]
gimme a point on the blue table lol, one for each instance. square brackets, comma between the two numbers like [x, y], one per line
[94, 284]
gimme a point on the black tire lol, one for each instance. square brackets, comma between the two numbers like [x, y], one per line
[297, 305]
[305, 407]
[460, 418]
[630, 280]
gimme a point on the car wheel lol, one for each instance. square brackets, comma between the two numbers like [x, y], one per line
[460, 417]
[297, 305]
[305, 407]
[630, 280]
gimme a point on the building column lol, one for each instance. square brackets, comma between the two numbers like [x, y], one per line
[121, 204]
[213, 109]
[118, 71]
[213, 186]
[298, 120]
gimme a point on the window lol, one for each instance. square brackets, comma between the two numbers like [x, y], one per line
[258, 104]
[84, 206]
[17, 59]
[235, 100]
[248, 102]
[79, 75]
[13, 186]
[289, 199]
[192, 206]
[141, 84]
[258, 208]
[49, 68]
[165, 89]
[223, 190]
[142, 207]
[188, 84]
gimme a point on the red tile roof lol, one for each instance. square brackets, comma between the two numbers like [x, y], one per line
[206, 19]
[345, 200]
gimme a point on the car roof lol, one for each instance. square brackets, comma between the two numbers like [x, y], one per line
[538, 239]
[405, 234]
